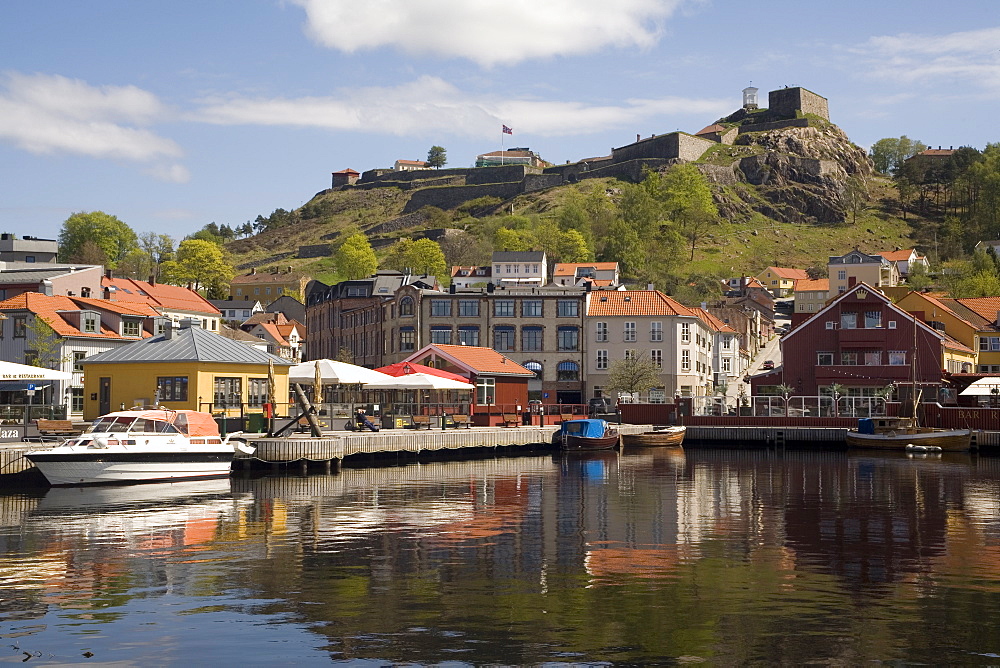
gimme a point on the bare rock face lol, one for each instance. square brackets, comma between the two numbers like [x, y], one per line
[799, 173]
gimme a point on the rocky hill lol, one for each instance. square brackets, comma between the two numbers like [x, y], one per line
[786, 182]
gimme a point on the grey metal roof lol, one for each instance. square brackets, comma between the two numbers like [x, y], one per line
[31, 272]
[190, 344]
[518, 256]
[234, 303]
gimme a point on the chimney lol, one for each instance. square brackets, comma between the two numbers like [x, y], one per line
[168, 329]
[107, 293]
[108, 273]
[190, 323]
[152, 280]
[650, 286]
[452, 289]
[638, 136]
[46, 286]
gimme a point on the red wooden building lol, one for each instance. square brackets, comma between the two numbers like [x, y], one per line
[862, 342]
[501, 383]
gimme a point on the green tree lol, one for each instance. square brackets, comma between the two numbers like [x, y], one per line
[573, 247]
[44, 344]
[625, 247]
[917, 277]
[437, 157]
[422, 256]
[855, 196]
[200, 264]
[889, 154]
[688, 201]
[637, 374]
[112, 236]
[506, 239]
[355, 258]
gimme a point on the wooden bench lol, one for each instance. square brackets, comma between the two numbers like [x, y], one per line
[566, 417]
[460, 420]
[419, 421]
[56, 428]
[509, 419]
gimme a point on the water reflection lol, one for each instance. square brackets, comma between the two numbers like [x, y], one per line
[639, 556]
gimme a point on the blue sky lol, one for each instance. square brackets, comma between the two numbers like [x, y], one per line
[172, 115]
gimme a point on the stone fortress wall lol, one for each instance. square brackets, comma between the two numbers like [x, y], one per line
[449, 188]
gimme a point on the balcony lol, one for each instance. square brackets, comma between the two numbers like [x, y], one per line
[873, 335]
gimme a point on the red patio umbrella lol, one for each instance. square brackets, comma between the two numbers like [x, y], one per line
[403, 368]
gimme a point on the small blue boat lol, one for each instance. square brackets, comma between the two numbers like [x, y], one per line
[590, 434]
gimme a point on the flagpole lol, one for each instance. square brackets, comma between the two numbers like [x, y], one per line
[502, 133]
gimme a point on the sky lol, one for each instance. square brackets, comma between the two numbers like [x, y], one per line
[173, 115]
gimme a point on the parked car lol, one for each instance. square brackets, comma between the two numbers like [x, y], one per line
[600, 405]
[767, 365]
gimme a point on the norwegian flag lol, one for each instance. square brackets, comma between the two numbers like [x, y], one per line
[507, 131]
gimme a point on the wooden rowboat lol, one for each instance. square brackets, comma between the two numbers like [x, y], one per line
[666, 437]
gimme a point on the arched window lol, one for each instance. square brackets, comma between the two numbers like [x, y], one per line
[406, 306]
[534, 366]
[568, 371]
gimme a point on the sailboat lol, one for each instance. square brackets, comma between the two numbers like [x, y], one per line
[905, 433]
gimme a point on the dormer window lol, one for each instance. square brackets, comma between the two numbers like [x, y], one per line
[131, 327]
[91, 322]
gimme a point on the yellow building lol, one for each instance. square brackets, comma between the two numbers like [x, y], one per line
[186, 367]
[810, 295]
[856, 267]
[269, 285]
[962, 324]
[781, 280]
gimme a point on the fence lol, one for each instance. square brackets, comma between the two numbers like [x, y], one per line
[793, 406]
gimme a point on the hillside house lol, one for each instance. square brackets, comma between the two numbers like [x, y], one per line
[781, 280]
[597, 274]
[269, 285]
[512, 268]
[237, 310]
[409, 165]
[904, 259]
[345, 177]
[855, 267]
[50, 278]
[467, 277]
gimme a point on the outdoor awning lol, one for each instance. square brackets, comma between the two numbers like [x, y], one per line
[12, 371]
[984, 387]
[19, 385]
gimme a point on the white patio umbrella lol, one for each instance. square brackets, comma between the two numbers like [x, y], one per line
[422, 381]
[12, 371]
[983, 387]
[333, 372]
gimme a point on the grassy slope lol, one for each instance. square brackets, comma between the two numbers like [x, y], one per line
[733, 248]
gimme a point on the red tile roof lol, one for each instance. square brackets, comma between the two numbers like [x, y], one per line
[808, 284]
[483, 360]
[51, 309]
[634, 302]
[421, 163]
[789, 272]
[569, 268]
[985, 307]
[158, 295]
[714, 127]
[712, 321]
[898, 255]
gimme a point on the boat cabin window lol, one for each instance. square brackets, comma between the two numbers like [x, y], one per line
[112, 424]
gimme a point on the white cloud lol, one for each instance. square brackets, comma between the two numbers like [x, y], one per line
[429, 105]
[488, 32]
[50, 114]
[971, 57]
[171, 173]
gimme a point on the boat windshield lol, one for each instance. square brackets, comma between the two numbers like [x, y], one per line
[112, 424]
[123, 424]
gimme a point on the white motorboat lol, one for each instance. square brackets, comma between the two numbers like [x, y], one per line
[148, 445]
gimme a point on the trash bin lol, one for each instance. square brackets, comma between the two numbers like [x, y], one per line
[256, 423]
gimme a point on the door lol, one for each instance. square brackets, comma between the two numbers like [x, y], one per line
[104, 396]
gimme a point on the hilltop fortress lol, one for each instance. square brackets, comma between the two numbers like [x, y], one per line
[449, 188]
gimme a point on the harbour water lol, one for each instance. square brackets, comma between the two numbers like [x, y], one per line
[724, 557]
